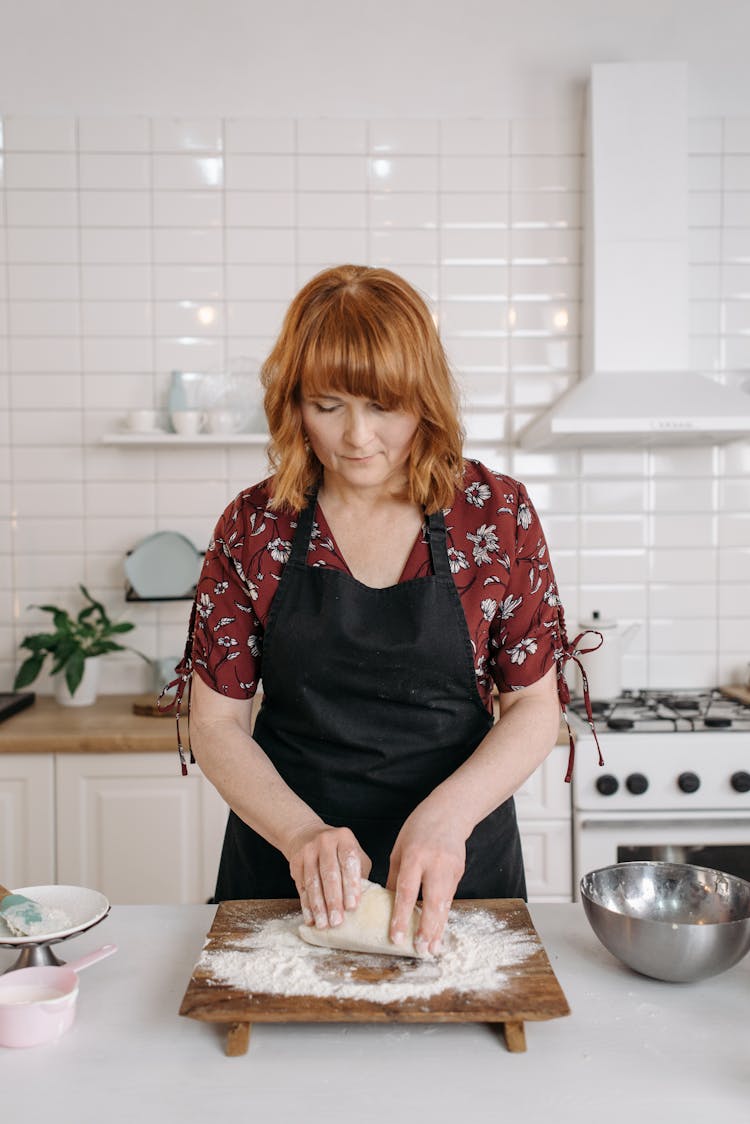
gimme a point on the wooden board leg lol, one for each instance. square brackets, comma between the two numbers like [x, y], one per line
[238, 1038]
[515, 1037]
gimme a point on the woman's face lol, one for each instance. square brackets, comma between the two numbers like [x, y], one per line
[357, 440]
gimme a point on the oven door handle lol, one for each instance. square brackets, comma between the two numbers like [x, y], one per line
[612, 820]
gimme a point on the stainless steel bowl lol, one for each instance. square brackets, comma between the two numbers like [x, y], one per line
[668, 920]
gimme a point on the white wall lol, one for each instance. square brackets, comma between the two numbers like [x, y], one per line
[110, 226]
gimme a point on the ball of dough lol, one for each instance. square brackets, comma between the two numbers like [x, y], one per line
[365, 929]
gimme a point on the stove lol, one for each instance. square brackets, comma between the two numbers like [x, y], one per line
[675, 784]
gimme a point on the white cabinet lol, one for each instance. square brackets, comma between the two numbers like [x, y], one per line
[127, 824]
[27, 819]
[543, 807]
[134, 827]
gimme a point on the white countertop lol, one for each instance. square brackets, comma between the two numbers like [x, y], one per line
[632, 1047]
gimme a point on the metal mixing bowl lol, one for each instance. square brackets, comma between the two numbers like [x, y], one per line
[668, 920]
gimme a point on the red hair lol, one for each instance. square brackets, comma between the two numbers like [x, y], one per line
[368, 333]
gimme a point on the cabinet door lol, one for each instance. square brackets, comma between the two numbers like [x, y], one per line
[132, 827]
[545, 793]
[27, 819]
[548, 859]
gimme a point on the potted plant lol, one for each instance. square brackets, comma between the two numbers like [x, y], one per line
[72, 647]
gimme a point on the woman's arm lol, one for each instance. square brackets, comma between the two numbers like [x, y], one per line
[431, 846]
[327, 863]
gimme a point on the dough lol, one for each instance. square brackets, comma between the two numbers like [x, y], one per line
[365, 929]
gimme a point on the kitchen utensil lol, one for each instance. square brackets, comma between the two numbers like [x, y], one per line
[187, 422]
[734, 691]
[39, 1004]
[83, 907]
[13, 701]
[163, 565]
[604, 665]
[670, 921]
[26, 917]
[525, 991]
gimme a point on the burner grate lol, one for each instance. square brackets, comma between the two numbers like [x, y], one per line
[659, 711]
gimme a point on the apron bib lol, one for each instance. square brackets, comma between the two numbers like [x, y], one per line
[370, 701]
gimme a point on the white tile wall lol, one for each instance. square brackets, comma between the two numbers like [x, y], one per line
[118, 236]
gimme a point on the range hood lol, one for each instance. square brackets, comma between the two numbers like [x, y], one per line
[637, 388]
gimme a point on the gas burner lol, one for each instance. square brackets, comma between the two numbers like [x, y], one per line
[659, 711]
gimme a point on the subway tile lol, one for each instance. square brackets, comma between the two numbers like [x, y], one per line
[552, 136]
[331, 173]
[682, 462]
[261, 208]
[41, 317]
[537, 356]
[127, 499]
[670, 599]
[705, 282]
[546, 210]
[317, 210]
[705, 209]
[207, 497]
[466, 247]
[192, 318]
[115, 282]
[475, 137]
[476, 282]
[545, 318]
[545, 282]
[44, 427]
[120, 533]
[529, 388]
[116, 463]
[258, 246]
[697, 634]
[188, 282]
[736, 208]
[686, 530]
[394, 248]
[474, 318]
[468, 209]
[481, 387]
[172, 134]
[256, 282]
[734, 495]
[42, 282]
[734, 529]
[126, 354]
[484, 425]
[41, 244]
[561, 533]
[704, 172]
[612, 601]
[115, 208]
[613, 496]
[558, 464]
[114, 134]
[331, 135]
[679, 670]
[198, 246]
[49, 569]
[255, 318]
[546, 173]
[103, 245]
[415, 210]
[474, 173]
[44, 353]
[41, 208]
[189, 172]
[334, 246]
[733, 632]
[734, 564]
[485, 353]
[58, 498]
[116, 318]
[187, 209]
[189, 353]
[192, 464]
[558, 496]
[259, 172]
[613, 566]
[251, 134]
[734, 597]
[673, 496]
[613, 531]
[731, 246]
[403, 136]
[690, 566]
[545, 247]
[402, 173]
[33, 536]
[38, 134]
[44, 170]
[61, 462]
[736, 172]
[119, 171]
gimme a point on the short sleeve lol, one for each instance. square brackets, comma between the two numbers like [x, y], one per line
[528, 632]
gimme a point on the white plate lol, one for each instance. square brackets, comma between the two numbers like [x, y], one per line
[83, 907]
[165, 564]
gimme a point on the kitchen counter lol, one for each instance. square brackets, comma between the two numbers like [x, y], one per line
[109, 726]
[631, 1047]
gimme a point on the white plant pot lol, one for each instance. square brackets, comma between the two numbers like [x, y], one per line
[87, 689]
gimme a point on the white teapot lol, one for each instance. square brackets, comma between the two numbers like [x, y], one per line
[604, 665]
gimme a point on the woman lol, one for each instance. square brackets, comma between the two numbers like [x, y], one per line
[379, 585]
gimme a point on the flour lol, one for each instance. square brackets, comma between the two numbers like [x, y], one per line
[53, 921]
[273, 960]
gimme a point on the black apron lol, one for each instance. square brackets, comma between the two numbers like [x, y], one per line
[370, 701]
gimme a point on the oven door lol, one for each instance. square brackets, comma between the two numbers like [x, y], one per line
[716, 840]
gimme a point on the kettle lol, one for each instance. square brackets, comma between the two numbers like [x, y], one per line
[603, 665]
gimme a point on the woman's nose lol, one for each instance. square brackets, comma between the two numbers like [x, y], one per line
[358, 428]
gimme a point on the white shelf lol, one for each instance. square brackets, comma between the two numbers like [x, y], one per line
[168, 439]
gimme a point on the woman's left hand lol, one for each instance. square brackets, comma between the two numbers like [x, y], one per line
[430, 852]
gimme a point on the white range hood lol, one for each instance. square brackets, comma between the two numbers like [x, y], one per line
[637, 388]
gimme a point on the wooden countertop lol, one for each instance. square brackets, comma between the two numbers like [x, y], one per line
[109, 726]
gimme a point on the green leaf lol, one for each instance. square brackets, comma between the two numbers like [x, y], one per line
[28, 671]
[123, 626]
[74, 671]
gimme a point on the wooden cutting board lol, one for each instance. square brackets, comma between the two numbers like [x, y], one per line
[526, 991]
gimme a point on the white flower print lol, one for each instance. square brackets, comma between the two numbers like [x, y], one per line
[253, 643]
[509, 606]
[220, 587]
[485, 543]
[457, 560]
[226, 642]
[550, 596]
[477, 493]
[224, 622]
[519, 651]
[279, 549]
[489, 608]
[523, 518]
[205, 605]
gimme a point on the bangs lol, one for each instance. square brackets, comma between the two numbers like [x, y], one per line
[360, 355]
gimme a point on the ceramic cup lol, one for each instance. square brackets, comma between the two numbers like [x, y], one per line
[187, 422]
[221, 421]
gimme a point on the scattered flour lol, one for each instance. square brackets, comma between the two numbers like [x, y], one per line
[53, 921]
[274, 960]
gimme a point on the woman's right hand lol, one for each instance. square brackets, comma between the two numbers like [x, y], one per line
[327, 865]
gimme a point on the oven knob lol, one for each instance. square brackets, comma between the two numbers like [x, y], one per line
[689, 782]
[636, 783]
[607, 785]
[740, 782]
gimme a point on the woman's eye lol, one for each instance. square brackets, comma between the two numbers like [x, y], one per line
[324, 409]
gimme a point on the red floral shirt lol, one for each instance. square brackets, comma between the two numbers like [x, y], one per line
[497, 553]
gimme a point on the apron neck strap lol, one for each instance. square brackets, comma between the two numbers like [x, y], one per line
[301, 539]
[436, 534]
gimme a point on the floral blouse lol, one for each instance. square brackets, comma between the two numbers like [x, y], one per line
[498, 557]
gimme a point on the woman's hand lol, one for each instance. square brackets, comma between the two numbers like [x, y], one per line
[430, 851]
[327, 865]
